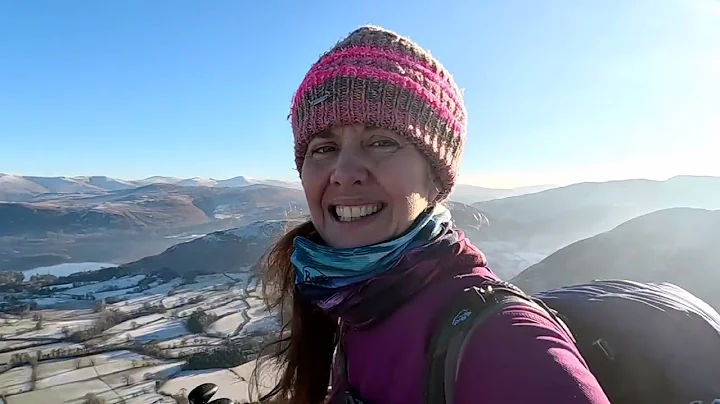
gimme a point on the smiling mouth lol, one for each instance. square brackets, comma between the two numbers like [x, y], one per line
[345, 213]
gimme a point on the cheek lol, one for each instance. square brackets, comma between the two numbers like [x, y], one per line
[314, 185]
[407, 183]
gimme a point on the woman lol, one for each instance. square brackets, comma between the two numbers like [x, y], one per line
[379, 127]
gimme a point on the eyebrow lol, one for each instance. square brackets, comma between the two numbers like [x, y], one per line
[326, 134]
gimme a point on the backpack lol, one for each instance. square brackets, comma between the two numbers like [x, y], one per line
[645, 343]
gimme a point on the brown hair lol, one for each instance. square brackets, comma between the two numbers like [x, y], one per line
[306, 354]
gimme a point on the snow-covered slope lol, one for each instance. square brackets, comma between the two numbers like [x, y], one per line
[106, 183]
[65, 185]
[14, 188]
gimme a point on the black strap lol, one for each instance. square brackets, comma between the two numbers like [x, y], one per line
[457, 322]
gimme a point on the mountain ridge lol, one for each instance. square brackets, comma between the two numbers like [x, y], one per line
[677, 245]
[18, 188]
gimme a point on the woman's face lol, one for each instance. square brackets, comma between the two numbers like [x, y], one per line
[364, 185]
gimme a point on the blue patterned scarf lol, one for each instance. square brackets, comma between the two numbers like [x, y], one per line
[322, 272]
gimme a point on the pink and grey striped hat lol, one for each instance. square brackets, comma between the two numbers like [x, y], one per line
[379, 78]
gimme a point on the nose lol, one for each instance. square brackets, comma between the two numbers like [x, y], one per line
[349, 170]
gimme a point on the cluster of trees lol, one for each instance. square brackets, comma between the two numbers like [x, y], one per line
[46, 279]
[227, 356]
[198, 320]
[11, 277]
[13, 305]
[111, 318]
[33, 358]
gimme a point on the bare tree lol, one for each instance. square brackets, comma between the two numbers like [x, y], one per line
[100, 306]
[92, 398]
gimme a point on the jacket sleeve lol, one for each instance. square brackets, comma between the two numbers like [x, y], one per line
[522, 356]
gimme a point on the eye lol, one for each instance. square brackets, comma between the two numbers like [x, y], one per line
[384, 143]
[321, 150]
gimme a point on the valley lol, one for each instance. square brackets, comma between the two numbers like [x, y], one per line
[138, 292]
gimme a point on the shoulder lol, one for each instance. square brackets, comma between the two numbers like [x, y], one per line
[522, 355]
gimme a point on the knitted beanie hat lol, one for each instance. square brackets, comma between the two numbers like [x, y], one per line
[381, 79]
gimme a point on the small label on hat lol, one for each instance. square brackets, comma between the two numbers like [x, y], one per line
[320, 99]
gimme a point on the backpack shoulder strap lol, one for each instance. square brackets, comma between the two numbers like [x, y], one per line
[457, 322]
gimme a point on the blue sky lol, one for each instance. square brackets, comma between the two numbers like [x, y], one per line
[556, 91]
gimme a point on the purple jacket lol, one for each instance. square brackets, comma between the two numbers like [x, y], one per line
[520, 356]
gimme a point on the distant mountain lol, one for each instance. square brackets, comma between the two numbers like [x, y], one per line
[525, 229]
[64, 185]
[18, 219]
[470, 194]
[157, 180]
[15, 188]
[157, 206]
[105, 183]
[642, 195]
[678, 245]
[238, 181]
[126, 225]
[222, 251]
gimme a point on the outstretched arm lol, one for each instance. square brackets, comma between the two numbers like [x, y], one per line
[522, 356]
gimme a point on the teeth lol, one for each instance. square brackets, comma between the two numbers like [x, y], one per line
[350, 213]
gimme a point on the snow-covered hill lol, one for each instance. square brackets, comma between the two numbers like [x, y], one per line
[18, 188]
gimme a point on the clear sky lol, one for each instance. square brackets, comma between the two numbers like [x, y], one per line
[556, 91]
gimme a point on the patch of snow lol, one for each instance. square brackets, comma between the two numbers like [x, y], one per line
[262, 324]
[65, 393]
[232, 307]
[102, 287]
[44, 302]
[58, 372]
[16, 380]
[71, 376]
[186, 237]
[61, 286]
[197, 182]
[189, 341]
[53, 329]
[233, 383]
[156, 331]
[241, 275]
[226, 326]
[260, 318]
[155, 295]
[137, 322]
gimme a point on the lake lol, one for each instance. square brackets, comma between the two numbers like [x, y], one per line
[67, 268]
